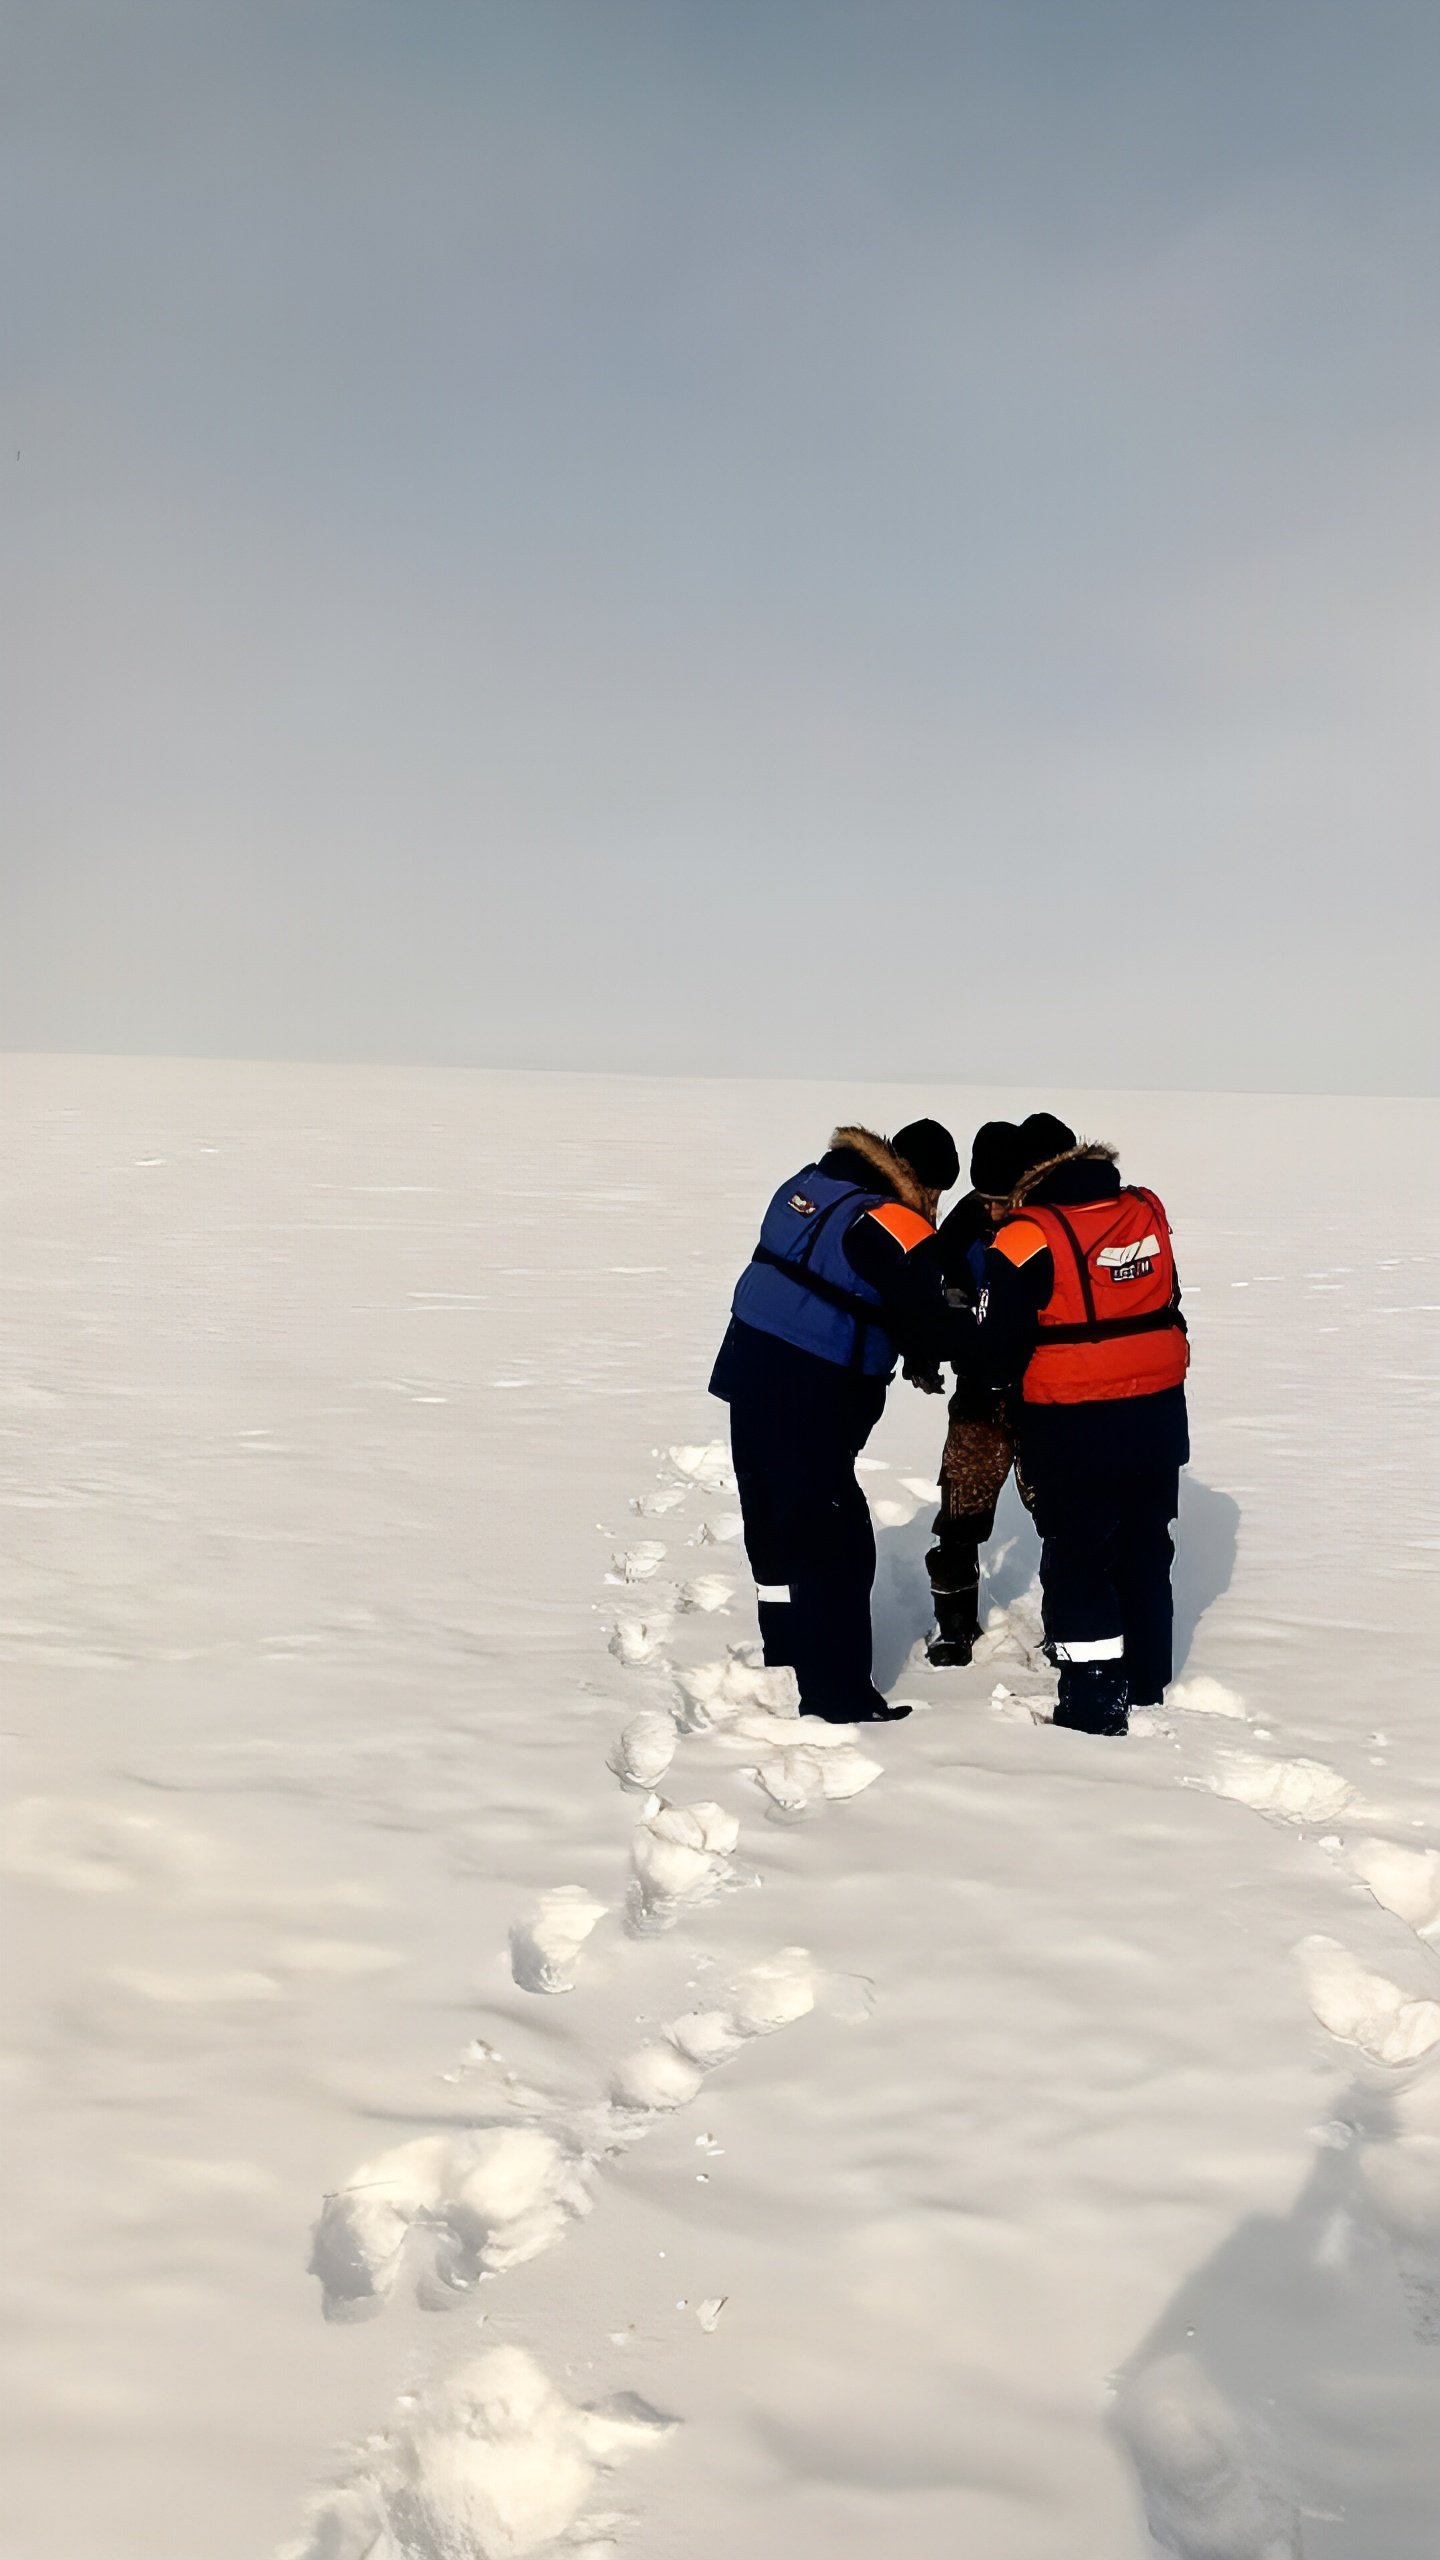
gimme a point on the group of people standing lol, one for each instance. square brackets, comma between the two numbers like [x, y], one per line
[1050, 1292]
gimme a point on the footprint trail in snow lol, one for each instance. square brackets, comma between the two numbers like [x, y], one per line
[491, 2459]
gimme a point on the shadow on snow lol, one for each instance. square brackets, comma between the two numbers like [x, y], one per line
[1206, 1543]
[1284, 2402]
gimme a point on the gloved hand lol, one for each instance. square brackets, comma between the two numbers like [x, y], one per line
[929, 1381]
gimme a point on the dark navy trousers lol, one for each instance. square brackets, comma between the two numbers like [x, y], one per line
[797, 1425]
[1105, 1577]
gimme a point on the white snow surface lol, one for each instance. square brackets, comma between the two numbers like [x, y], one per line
[1055, 2123]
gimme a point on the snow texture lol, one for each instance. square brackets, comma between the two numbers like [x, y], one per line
[956, 2147]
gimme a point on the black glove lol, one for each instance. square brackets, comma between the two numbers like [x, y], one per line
[929, 1381]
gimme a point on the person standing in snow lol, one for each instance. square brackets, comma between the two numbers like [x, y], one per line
[845, 1279]
[980, 1442]
[1080, 1310]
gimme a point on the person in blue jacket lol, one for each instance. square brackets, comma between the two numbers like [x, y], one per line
[845, 1280]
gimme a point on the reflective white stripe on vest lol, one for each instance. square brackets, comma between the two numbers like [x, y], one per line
[1098, 1649]
[772, 1591]
[1116, 1256]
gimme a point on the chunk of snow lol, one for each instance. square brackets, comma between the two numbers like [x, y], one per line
[706, 1465]
[641, 1754]
[1203, 1696]
[491, 2461]
[545, 1948]
[708, 1592]
[1365, 2009]
[1301, 1790]
[512, 2189]
[360, 2237]
[656, 2076]
[679, 1854]
[635, 1640]
[637, 1563]
[1405, 1881]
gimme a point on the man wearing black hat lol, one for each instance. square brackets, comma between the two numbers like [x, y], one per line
[1080, 1317]
[845, 1280]
[980, 1443]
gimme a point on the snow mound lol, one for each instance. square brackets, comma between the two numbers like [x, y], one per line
[1405, 1881]
[711, 1693]
[708, 1592]
[359, 2240]
[546, 1948]
[635, 1640]
[1299, 1790]
[1203, 1696]
[668, 2072]
[680, 1855]
[804, 1761]
[1364, 2009]
[492, 2462]
[1013, 1634]
[638, 1563]
[1017, 1710]
[656, 2078]
[722, 1531]
[797, 1779]
[641, 1754]
[706, 1465]
[494, 2198]
[1205, 2495]
[512, 2189]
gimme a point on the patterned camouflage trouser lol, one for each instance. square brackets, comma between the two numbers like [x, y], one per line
[979, 1453]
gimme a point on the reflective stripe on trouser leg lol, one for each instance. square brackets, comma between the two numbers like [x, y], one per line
[1092, 1649]
[777, 1625]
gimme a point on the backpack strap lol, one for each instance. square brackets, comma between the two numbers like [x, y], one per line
[1106, 1329]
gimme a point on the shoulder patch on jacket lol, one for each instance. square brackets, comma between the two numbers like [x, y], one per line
[906, 1225]
[1020, 1241]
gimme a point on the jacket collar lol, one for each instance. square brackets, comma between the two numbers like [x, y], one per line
[878, 1157]
[1039, 1176]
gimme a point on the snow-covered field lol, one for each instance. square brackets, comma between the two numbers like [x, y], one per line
[417, 1910]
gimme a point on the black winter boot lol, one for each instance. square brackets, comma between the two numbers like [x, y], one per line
[957, 1626]
[877, 1709]
[1093, 1698]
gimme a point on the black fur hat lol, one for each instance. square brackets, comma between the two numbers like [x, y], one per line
[997, 1159]
[1041, 1137]
[930, 1152]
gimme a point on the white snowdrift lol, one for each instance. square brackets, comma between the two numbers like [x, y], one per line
[492, 2463]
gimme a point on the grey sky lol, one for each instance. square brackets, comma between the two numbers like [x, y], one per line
[759, 535]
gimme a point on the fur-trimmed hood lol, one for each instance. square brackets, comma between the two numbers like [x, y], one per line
[1088, 1152]
[889, 1169]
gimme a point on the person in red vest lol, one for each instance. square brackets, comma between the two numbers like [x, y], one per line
[1080, 1310]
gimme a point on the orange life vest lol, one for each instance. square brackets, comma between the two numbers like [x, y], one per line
[1111, 1326]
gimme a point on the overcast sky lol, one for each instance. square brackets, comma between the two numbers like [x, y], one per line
[725, 535]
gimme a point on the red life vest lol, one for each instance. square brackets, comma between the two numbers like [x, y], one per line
[1111, 1327]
